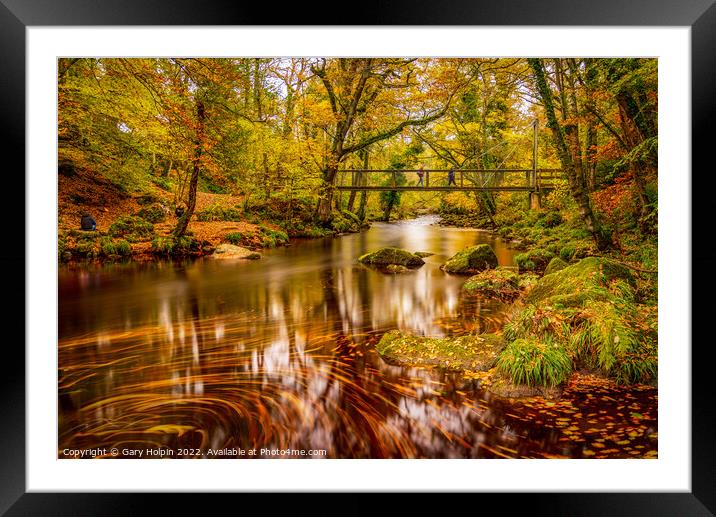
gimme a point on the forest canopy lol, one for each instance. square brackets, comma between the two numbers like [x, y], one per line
[284, 128]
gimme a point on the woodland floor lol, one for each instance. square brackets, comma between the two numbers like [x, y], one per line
[106, 203]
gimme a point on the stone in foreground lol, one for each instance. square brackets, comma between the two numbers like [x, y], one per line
[472, 353]
[391, 256]
[230, 251]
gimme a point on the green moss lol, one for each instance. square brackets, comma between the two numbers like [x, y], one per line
[588, 279]
[272, 238]
[387, 256]
[588, 311]
[471, 260]
[533, 260]
[494, 283]
[535, 363]
[132, 228]
[556, 264]
[474, 353]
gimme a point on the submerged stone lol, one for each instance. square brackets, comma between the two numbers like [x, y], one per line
[472, 353]
[391, 256]
[471, 260]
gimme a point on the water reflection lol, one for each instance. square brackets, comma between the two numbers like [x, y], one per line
[279, 353]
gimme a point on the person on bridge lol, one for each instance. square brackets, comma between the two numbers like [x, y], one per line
[451, 177]
[421, 173]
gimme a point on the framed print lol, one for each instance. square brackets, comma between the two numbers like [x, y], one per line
[420, 256]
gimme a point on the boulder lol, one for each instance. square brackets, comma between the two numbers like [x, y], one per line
[494, 283]
[395, 268]
[230, 251]
[423, 254]
[464, 353]
[394, 256]
[471, 260]
[534, 260]
[584, 282]
[556, 264]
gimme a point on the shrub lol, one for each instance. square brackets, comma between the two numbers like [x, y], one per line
[234, 238]
[154, 213]
[219, 213]
[123, 248]
[551, 219]
[535, 363]
[107, 247]
[170, 246]
[567, 252]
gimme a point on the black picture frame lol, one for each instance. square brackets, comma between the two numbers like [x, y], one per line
[700, 15]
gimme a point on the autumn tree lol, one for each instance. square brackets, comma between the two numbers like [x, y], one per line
[365, 92]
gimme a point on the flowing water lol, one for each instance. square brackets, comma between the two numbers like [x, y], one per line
[211, 358]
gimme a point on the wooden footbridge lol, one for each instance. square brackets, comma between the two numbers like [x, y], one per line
[437, 180]
[533, 180]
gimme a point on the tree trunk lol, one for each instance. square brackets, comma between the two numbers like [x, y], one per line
[358, 178]
[325, 200]
[564, 139]
[183, 222]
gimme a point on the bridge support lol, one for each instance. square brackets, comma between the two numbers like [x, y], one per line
[535, 201]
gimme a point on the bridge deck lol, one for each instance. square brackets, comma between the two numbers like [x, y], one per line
[431, 188]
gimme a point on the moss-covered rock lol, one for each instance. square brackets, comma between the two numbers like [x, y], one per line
[396, 269]
[556, 264]
[587, 280]
[230, 251]
[388, 256]
[423, 254]
[535, 260]
[587, 312]
[473, 353]
[471, 260]
[494, 283]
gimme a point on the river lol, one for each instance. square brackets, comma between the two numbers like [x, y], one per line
[204, 357]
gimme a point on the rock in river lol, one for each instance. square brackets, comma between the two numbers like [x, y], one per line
[391, 256]
[471, 260]
[230, 251]
[472, 353]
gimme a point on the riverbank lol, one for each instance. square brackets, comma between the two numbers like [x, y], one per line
[583, 316]
[139, 226]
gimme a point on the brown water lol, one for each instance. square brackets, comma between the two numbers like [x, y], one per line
[198, 356]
